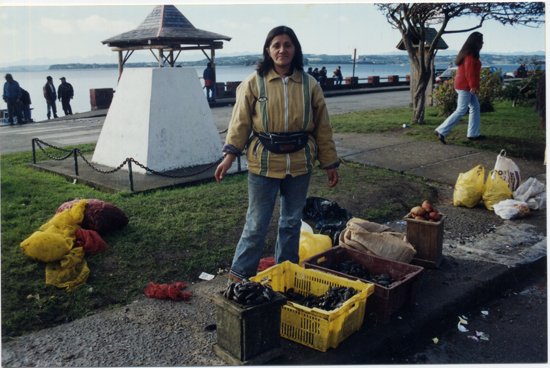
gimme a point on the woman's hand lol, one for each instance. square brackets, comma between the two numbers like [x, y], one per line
[473, 91]
[332, 177]
[224, 167]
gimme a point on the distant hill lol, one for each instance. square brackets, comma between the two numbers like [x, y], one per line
[309, 59]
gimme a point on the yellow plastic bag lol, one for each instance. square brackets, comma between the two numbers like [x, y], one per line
[496, 190]
[56, 237]
[469, 187]
[312, 244]
[70, 272]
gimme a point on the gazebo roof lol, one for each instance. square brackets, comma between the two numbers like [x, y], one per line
[164, 25]
[430, 35]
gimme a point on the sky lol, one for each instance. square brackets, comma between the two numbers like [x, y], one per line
[62, 32]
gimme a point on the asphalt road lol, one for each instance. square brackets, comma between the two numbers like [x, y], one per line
[18, 138]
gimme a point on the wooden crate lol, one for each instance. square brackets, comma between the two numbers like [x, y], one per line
[427, 239]
[248, 335]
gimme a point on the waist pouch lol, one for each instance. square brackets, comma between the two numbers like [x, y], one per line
[283, 142]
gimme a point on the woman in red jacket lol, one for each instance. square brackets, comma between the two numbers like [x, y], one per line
[466, 86]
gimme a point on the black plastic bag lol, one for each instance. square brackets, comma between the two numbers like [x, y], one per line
[318, 209]
[333, 230]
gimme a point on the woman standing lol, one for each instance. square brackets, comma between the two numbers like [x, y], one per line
[280, 116]
[466, 86]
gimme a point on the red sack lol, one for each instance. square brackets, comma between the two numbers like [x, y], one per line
[163, 291]
[90, 241]
[265, 263]
[99, 216]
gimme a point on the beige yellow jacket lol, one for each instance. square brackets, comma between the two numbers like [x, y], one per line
[285, 113]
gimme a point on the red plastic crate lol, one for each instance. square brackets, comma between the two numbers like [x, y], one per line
[385, 300]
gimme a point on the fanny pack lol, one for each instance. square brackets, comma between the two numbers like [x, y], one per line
[283, 142]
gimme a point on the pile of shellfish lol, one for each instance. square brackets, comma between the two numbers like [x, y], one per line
[332, 299]
[249, 292]
[355, 269]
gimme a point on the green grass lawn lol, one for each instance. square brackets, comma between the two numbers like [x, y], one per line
[515, 129]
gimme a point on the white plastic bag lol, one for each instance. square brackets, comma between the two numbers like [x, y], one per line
[531, 188]
[508, 171]
[511, 208]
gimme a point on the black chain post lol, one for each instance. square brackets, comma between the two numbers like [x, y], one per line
[33, 151]
[75, 161]
[130, 176]
[239, 163]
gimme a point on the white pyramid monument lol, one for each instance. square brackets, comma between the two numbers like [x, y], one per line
[159, 117]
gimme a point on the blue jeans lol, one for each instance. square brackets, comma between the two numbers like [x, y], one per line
[14, 107]
[262, 192]
[51, 105]
[211, 93]
[338, 80]
[466, 100]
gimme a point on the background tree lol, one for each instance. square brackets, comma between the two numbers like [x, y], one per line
[412, 20]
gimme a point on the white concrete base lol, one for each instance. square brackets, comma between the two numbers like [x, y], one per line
[159, 117]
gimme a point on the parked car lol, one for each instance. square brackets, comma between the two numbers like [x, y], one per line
[448, 74]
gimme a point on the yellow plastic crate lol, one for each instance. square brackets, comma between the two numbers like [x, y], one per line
[314, 327]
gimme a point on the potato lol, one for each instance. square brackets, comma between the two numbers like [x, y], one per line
[432, 220]
[435, 210]
[420, 218]
[426, 205]
[418, 211]
[435, 216]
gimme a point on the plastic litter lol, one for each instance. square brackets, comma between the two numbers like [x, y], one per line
[206, 276]
[479, 333]
[312, 244]
[318, 209]
[485, 313]
[164, 291]
[90, 241]
[508, 170]
[70, 272]
[510, 209]
[435, 340]
[469, 187]
[462, 320]
[56, 237]
[533, 192]
[496, 190]
[473, 338]
[333, 231]
[462, 328]
[265, 263]
[99, 216]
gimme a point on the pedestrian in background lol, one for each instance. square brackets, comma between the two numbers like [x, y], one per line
[12, 97]
[209, 76]
[50, 96]
[337, 75]
[65, 93]
[466, 85]
[281, 100]
[26, 100]
[316, 74]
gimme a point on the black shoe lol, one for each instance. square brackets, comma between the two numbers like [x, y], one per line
[11, 122]
[441, 138]
[55, 116]
[478, 138]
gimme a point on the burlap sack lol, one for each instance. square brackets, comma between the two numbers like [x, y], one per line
[377, 239]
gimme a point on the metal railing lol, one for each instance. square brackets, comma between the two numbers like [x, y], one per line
[75, 152]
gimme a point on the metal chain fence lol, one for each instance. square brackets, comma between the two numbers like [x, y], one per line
[78, 152]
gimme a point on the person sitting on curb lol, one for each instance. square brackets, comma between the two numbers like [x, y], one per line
[337, 74]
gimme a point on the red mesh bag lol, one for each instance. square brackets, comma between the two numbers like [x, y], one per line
[90, 241]
[265, 263]
[99, 216]
[164, 291]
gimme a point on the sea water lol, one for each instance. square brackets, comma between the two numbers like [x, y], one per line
[83, 80]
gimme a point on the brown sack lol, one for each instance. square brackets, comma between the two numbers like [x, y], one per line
[380, 240]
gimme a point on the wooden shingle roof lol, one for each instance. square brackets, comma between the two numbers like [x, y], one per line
[164, 25]
[430, 35]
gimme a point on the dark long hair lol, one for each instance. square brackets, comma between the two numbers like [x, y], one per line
[266, 64]
[471, 47]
